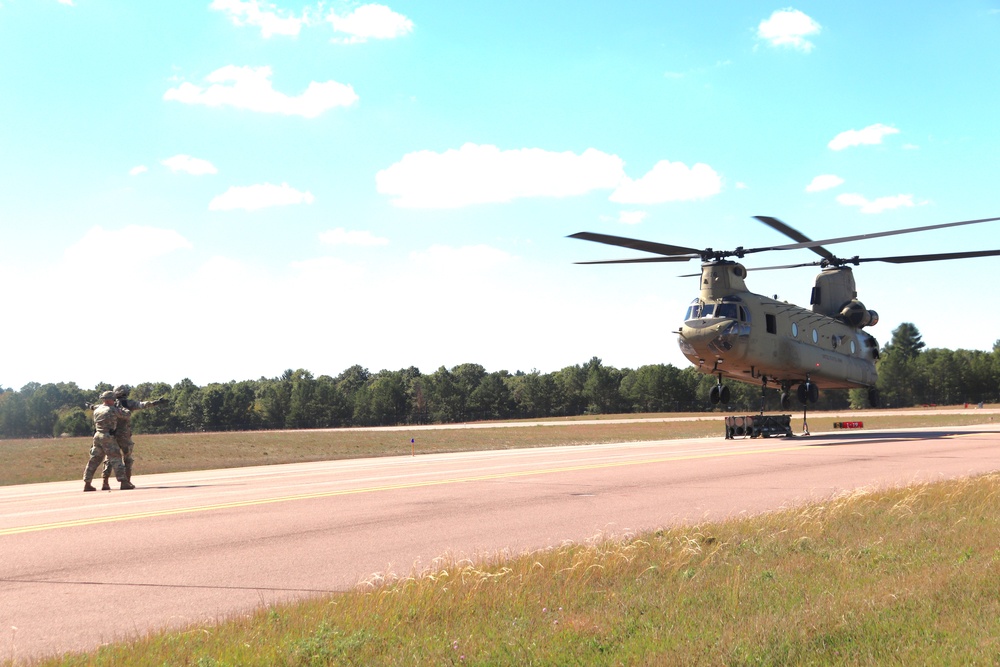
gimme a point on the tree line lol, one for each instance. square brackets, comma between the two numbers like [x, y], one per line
[908, 375]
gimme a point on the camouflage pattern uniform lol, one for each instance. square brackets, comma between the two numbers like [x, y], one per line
[106, 419]
[123, 432]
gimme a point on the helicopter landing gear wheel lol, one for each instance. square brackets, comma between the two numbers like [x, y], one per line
[785, 400]
[808, 392]
[873, 397]
[719, 394]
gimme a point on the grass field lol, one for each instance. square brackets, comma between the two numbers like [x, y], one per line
[60, 459]
[898, 577]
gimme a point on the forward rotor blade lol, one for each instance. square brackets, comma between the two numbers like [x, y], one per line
[682, 253]
[636, 244]
[786, 266]
[794, 234]
[761, 268]
[641, 260]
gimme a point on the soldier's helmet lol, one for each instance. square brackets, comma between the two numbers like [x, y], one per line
[122, 390]
[108, 396]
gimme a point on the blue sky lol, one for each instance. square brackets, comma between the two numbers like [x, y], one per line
[223, 189]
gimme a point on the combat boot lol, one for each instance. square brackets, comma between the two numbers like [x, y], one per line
[127, 485]
[87, 486]
[106, 486]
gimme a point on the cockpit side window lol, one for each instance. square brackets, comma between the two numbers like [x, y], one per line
[728, 310]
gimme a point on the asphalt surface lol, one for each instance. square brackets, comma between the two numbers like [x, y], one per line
[79, 570]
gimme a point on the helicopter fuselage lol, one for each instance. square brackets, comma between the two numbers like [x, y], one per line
[731, 332]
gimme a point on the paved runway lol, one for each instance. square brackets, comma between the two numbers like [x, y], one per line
[194, 547]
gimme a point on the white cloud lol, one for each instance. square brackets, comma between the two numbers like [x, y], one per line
[869, 136]
[824, 182]
[325, 271]
[127, 247]
[254, 197]
[371, 22]
[67, 2]
[250, 88]
[341, 236]
[224, 271]
[264, 16]
[789, 27]
[419, 288]
[669, 181]
[138, 169]
[189, 165]
[477, 174]
[463, 261]
[876, 206]
[632, 217]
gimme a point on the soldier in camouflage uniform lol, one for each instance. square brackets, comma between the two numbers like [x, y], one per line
[107, 416]
[123, 434]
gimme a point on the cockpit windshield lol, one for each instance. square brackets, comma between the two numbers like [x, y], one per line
[698, 310]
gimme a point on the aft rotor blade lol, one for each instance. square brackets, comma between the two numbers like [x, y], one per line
[909, 259]
[636, 244]
[872, 235]
[899, 259]
[795, 234]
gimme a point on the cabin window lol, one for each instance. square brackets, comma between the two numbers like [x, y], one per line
[815, 336]
[795, 330]
[772, 323]
[854, 348]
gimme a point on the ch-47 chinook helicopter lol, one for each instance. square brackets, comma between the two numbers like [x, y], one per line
[730, 332]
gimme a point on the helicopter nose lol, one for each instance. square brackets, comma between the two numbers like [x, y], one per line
[703, 331]
[708, 339]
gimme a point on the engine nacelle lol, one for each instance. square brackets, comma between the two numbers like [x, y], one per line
[856, 315]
